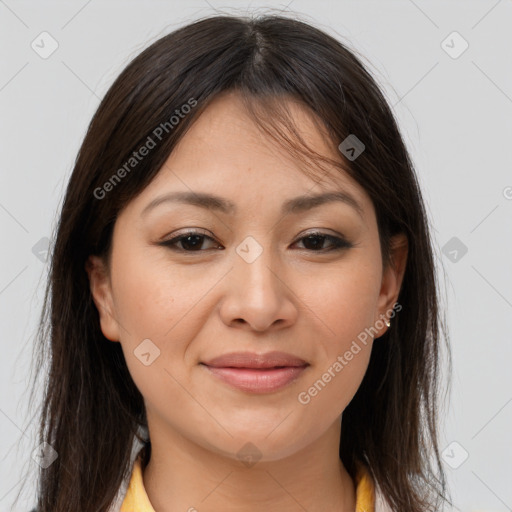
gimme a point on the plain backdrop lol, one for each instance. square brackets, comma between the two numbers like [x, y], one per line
[446, 68]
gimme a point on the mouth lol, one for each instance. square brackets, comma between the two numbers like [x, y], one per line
[256, 373]
[257, 380]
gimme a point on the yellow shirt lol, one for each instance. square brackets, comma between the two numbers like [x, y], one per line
[136, 499]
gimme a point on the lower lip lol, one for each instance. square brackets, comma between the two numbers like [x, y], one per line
[257, 380]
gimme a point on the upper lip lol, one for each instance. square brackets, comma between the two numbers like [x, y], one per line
[253, 360]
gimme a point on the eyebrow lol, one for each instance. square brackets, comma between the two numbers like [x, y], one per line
[290, 206]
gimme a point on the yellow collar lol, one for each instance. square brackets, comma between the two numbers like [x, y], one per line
[136, 499]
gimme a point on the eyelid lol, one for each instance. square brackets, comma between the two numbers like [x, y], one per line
[178, 236]
[188, 232]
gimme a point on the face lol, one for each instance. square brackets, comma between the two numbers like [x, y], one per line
[251, 278]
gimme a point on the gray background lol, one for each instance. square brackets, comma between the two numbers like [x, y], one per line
[455, 114]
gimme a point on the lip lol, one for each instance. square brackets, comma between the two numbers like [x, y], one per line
[254, 360]
[256, 380]
[257, 373]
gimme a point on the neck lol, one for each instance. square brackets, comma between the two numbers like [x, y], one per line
[182, 475]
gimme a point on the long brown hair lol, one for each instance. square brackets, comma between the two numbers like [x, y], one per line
[92, 408]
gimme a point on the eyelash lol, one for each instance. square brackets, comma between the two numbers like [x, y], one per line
[338, 243]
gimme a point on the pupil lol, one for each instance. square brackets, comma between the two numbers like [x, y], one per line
[315, 238]
[193, 245]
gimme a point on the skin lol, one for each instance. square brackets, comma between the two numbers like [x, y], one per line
[197, 305]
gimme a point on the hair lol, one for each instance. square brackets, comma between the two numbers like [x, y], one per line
[91, 409]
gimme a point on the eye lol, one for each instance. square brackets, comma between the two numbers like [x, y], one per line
[316, 240]
[192, 241]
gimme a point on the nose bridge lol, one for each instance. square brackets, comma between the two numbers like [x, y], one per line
[255, 264]
[256, 295]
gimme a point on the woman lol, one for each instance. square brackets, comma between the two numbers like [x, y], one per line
[242, 310]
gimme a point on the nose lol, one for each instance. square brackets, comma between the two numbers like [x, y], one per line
[259, 291]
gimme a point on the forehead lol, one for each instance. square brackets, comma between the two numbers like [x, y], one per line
[227, 125]
[226, 153]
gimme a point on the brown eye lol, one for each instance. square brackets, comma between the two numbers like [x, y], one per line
[315, 242]
[192, 241]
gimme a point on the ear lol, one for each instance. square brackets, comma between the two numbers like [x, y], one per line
[392, 278]
[101, 291]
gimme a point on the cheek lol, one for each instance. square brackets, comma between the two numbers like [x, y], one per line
[156, 301]
[143, 301]
[343, 350]
[151, 296]
[327, 393]
[345, 301]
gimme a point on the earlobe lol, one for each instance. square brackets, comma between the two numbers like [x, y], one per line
[101, 292]
[392, 277]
